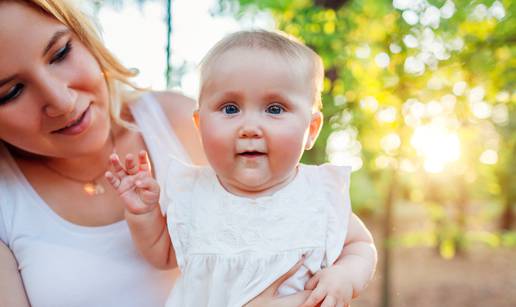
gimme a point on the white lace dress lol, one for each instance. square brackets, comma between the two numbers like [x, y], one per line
[230, 248]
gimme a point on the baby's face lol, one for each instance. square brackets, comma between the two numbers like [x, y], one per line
[256, 117]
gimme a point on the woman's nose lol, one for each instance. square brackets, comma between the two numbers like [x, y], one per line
[58, 98]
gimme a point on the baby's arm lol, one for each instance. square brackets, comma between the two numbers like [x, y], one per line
[140, 193]
[351, 272]
[359, 255]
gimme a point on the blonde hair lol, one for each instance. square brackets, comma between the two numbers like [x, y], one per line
[276, 42]
[116, 75]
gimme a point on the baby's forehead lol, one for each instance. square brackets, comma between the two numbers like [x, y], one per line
[256, 61]
[290, 58]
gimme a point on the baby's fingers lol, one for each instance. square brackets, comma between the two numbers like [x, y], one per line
[147, 183]
[131, 166]
[112, 179]
[117, 165]
[143, 160]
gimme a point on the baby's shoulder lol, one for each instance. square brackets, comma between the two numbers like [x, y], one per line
[326, 173]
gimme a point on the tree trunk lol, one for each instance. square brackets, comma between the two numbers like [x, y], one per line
[507, 220]
[168, 72]
[387, 244]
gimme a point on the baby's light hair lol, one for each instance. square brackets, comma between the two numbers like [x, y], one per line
[277, 42]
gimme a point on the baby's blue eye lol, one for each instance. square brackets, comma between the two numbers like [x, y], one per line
[230, 109]
[275, 109]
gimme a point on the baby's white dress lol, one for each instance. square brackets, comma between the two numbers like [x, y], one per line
[230, 248]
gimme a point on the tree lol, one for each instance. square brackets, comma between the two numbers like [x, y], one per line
[419, 97]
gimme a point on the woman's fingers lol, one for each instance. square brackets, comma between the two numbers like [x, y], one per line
[273, 288]
[329, 301]
[295, 299]
[313, 281]
[315, 297]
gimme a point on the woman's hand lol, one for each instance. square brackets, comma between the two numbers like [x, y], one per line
[269, 296]
[348, 276]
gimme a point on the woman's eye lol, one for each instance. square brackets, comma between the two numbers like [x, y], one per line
[230, 109]
[275, 109]
[61, 53]
[12, 93]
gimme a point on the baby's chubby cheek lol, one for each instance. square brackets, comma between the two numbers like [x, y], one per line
[218, 149]
[286, 153]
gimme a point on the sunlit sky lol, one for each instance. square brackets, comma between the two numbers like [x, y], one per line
[137, 36]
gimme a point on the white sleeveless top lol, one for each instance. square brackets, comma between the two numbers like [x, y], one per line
[230, 248]
[64, 264]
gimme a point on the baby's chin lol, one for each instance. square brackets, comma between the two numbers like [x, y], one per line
[252, 184]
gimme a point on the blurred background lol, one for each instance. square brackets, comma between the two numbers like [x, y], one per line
[419, 98]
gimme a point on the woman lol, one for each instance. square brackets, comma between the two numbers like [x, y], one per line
[65, 106]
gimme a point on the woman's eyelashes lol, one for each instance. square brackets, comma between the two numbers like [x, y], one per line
[12, 93]
[62, 53]
[17, 89]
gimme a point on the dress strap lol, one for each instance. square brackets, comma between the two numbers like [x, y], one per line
[157, 133]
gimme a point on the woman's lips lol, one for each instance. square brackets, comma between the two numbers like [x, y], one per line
[78, 126]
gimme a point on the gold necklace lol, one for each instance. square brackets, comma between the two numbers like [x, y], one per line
[91, 187]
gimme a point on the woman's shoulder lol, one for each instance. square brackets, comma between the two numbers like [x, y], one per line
[178, 110]
[177, 107]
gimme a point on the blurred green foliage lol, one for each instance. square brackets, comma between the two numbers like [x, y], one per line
[423, 90]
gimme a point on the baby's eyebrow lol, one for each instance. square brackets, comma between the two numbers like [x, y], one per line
[276, 96]
[231, 95]
[54, 39]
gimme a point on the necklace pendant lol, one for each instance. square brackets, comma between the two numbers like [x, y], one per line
[93, 188]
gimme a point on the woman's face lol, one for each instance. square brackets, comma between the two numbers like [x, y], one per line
[53, 95]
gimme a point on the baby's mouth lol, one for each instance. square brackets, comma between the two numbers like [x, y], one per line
[252, 154]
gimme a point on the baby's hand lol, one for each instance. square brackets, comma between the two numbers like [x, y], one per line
[328, 288]
[134, 183]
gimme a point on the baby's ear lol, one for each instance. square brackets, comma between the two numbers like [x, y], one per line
[314, 129]
[196, 118]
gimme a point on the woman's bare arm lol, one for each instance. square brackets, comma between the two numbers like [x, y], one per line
[269, 297]
[12, 292]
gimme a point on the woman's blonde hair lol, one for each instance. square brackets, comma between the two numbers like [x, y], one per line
[276, 42]
[116, 75]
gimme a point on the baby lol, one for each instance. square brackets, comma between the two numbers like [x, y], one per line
[243, 222]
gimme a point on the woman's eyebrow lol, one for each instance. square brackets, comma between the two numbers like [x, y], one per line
[6, 80]
[54, 39]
